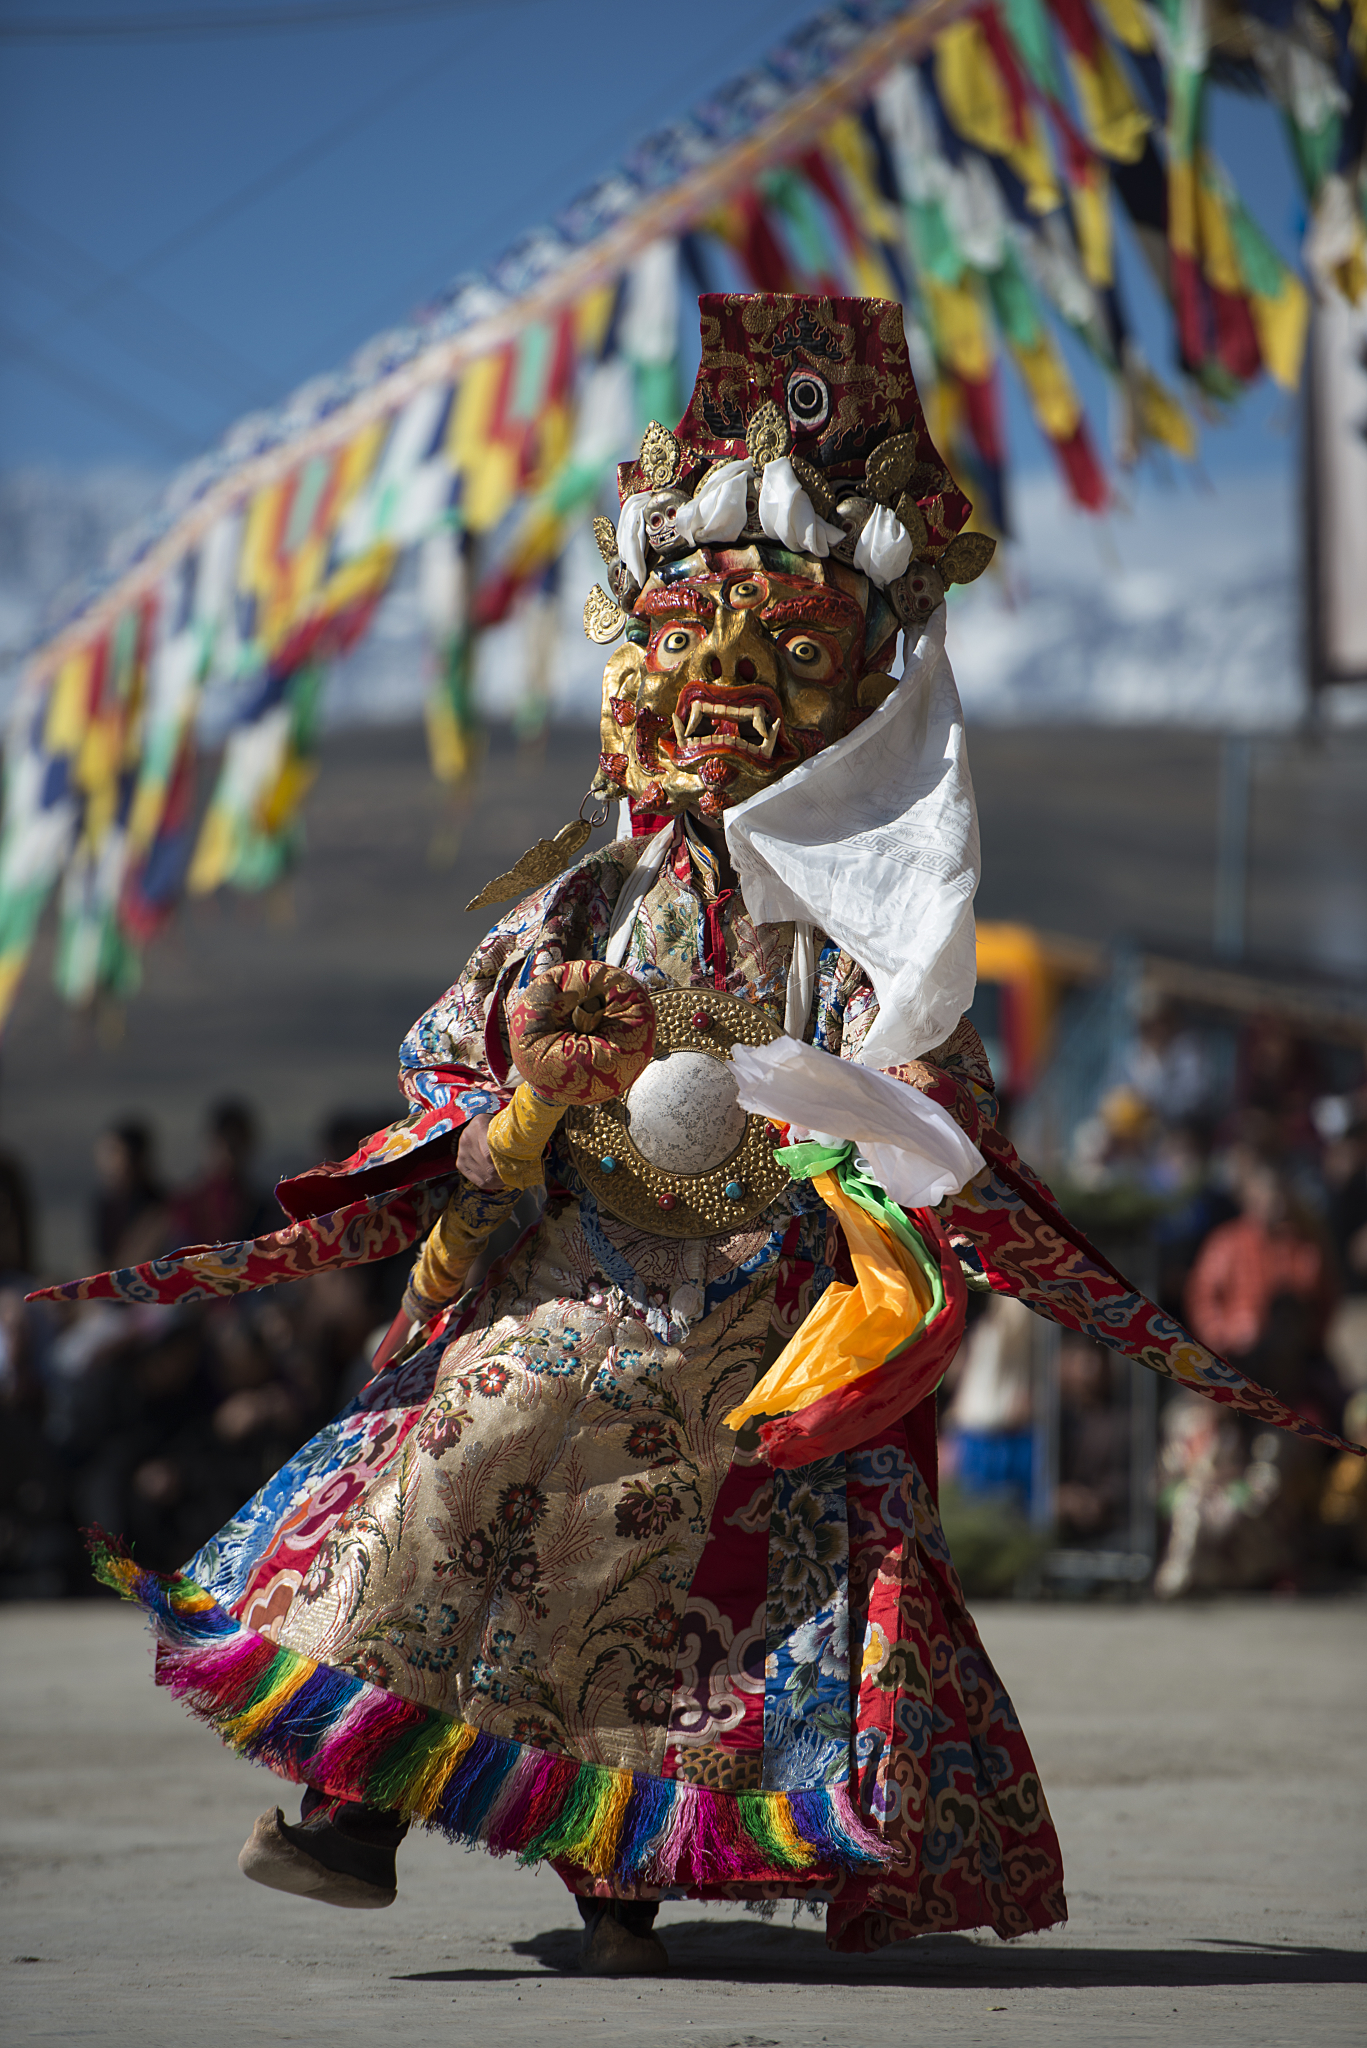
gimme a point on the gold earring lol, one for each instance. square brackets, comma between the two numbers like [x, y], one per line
[548, 858]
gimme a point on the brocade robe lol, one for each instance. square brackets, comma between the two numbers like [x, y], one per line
[541, 1529]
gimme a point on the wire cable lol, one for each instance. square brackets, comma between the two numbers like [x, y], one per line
[268, 182]
[163, 339]
[85, 28]
[175, 440]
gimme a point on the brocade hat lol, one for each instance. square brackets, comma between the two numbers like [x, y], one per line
[837, 373]
[805, 430]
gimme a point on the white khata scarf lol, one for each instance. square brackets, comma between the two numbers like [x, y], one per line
[875, 842]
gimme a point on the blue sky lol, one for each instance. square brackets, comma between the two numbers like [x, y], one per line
[274, 199]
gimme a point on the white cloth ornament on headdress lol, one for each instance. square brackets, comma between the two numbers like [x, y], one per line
[875, 842]
[788, 515]
[884, 548]
[718, 512]
[631, 535]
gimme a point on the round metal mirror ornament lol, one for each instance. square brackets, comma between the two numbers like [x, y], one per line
[677, 1155]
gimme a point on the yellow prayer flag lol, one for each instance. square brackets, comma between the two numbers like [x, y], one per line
[468, 431]
[12, 965]
[976, 98]
[450, 745]
[1053, 396]
[1091, 204]
[213, 852]
[848, 142]
[258, 566]
[1127, 22]
[873, 279]
[1181, 206]
[1281, 324]
[1161, 417]
[282, 799]
[959, 327]
[1219, 257]
[68, 706]
[591, 316]
[1116, 123]
[490, 486]
[972, 89]
[355, 463]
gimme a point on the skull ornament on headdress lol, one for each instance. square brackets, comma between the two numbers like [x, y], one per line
[769, 550]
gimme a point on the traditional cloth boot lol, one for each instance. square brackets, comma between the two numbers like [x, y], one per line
[339, 1853]
[619, 1940]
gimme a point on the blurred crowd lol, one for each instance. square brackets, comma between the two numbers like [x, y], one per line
[1225, 1168]
[157, 1423]
[1226, 1171]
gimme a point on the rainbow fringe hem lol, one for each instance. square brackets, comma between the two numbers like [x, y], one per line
[350, 1738]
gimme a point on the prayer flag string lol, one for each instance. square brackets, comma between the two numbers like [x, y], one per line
[981, 163]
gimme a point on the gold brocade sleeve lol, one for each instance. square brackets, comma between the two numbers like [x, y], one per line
[519, 1135]
[465, 1225]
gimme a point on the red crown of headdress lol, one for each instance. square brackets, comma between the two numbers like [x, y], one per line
[830, 375]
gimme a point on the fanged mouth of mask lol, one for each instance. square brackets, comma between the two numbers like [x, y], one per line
[705, 724]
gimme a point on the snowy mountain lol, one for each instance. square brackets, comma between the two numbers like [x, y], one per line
[1177, 610]
[58, 527]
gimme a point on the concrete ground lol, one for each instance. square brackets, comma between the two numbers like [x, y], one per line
[1205, 1766]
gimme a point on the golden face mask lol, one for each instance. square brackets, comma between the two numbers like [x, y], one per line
[741, 662]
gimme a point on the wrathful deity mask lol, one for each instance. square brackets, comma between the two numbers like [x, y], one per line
[740, 663]
[769, 551]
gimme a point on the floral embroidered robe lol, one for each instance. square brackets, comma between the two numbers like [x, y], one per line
[542, 1528]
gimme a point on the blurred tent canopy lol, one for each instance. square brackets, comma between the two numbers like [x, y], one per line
[969, 159]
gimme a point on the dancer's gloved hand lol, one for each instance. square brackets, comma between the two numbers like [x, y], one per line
[580, 1033]
[473, 1158]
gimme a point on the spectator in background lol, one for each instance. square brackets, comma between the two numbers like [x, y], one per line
[1280, 1076]
[128, 1215]
[18, 1255]
[1231, 1521]
[1244, 1503]
[37, 1542]
[1200, 1203]
[1166, 1066]
[1343, 1505]
[1116, 1146]
[987, 1423]
[172, 1418]
[1263, 1286]
[226, 1202]
[1345, 1168]
[1091, 1500]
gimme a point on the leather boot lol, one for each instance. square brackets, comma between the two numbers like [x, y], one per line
[618, 1939]
[340, 1852]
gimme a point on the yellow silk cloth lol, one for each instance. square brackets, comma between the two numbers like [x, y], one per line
[453, 1244]
[852, 1330]
[519, 1135]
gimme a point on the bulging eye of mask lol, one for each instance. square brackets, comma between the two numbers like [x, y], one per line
[738, 667]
